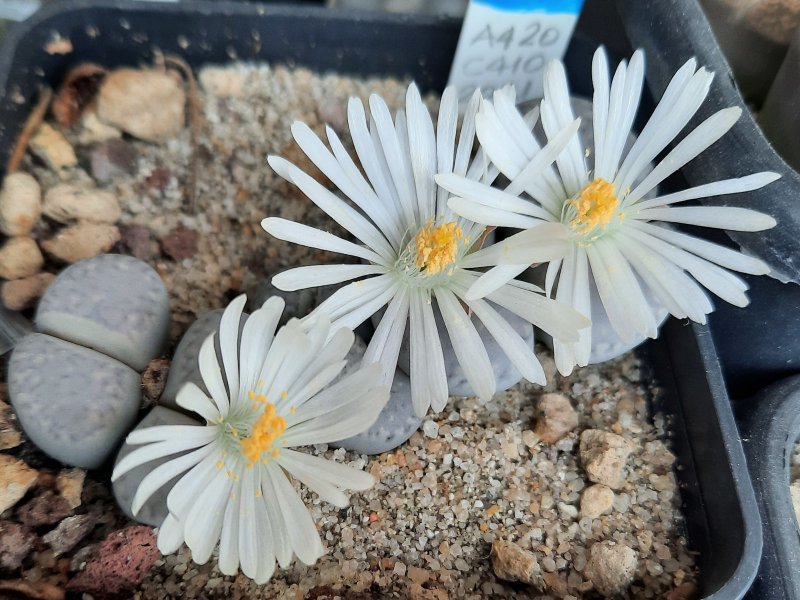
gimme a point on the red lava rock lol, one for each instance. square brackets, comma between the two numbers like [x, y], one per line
[121, 562]
[136, 240]
[111, 159]
[16, 542]
[180, 243]
[45, 509]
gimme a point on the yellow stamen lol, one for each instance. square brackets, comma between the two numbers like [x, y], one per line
[436, 246]
[292, 409]
[220, 464]
[267, 430]
[258, 493]
[284, 393]
[260, 383]
[595, 206]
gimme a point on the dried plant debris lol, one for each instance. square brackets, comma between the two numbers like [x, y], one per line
[576, 479]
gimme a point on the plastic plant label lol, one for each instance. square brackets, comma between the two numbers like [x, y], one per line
[511, 41]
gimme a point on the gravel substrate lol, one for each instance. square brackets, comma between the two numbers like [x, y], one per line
[473, 476]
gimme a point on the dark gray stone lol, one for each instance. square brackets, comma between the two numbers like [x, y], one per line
[111, 303]
[74, 403]
[154, 511]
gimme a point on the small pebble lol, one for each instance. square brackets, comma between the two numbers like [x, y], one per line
[557, 418]
[603, 455]
[19, 294]
[69, 484]
[223, 83]
[82, 240]
[16, 542]
[430, 428]
[20, 257]
[46, 508]
[611, 567]
[93, 130]
[67, 202]
[596, 500]
[20, 204]
[513, 563]
[69, 533]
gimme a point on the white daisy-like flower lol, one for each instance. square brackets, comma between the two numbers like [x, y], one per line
[612, 232]
[267, 396]
[414, 248]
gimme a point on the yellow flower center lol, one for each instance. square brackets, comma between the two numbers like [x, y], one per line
[267, 430]
[594, 207]
[436, 246]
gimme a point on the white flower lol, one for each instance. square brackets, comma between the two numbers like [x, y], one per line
[234, 489]
[415, 249]
[611, 229]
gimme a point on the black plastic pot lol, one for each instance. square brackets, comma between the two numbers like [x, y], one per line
[761, 343]
[770, 434]
[721, 517]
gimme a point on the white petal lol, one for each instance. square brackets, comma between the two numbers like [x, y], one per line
[203, 523]
[467, 345]
[342, 476]
[229, 341]
[486, 195]
[154, 451]
[719, 217]
[211, 373]
[705, 134]
[422, 145]
[257, 336]
[486, 215]
[184, 493]
[297, 233]
[724, 257]
[303, 534]
[494, 279]
[541, 243]
[353, 297]
[427, 372]
[170, 535]
[333, 206]
[192, 398]
[161, 475]
[229, 540]
[249, 544]
[170, 433]
[519, 353]
[466, 137]
[384, 347]
[301, 278]
[715, 188]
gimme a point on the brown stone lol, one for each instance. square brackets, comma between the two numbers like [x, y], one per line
[557, 418]
[512, 563]
[82, 240]
[154, 379]
[10, 436]
[16, 478]
[20, 204]
[19, 294]
[39, 590]
[146, 103]
[417, 592]
[120, 564]
[66, 202]
[611, 567]
[52, 147]
[596, 500]
[69, 484]
[180, 243]
[45, 509]
[417, 575]
[69, 533]
[603, 456]
[136, 240]
[20, 257]
[16, 542]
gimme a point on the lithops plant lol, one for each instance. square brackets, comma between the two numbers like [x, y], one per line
[115, 304]
[76, 384]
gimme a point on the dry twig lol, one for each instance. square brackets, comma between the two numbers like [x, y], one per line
[31, 125]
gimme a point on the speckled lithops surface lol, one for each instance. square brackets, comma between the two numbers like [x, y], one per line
[473, 476]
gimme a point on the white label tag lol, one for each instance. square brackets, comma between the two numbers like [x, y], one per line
[511, 41]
